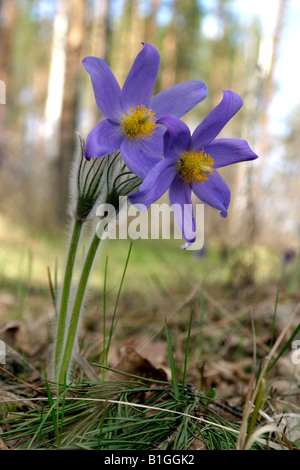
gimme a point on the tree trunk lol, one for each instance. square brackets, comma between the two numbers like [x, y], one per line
[151, 22]
[70, 101]
[270, 82]
[7, 23]
[54, 102]
[244, 215]
[99, 45]
[169, 51]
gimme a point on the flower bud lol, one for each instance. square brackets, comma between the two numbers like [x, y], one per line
[98, 181]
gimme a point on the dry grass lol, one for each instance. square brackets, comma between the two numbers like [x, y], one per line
[233, 339]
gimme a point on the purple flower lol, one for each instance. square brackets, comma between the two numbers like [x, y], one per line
[131, 114]
[190, 164]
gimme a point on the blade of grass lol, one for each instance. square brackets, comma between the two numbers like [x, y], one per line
[259, 370]
[53, 414]
[49, 413]
[294, 334]
[117, 299]
[56, 284]
[274, 319]
[186, 353]
[258, 404]
[101, 425]
[105, 352]
[63, 407]
[172, 364]
[51, 287]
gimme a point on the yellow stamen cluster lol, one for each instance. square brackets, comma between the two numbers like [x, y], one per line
[195, 167]
[138, 123]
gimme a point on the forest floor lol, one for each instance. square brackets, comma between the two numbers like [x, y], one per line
[243, 302]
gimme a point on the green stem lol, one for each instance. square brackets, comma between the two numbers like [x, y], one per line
[63, 311]
[104, 320]
[77, 306]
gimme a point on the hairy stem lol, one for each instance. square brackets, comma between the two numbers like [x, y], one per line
[63, 310]
[77, 306]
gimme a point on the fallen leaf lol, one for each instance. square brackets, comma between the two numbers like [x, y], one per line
[133, 363]
[3, 446]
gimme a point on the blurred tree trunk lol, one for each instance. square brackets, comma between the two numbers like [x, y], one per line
[151, 22]
[136, 32]
[100, 44]
[7, 24]
[223, 52]
[264, 142]
[189, 20]
[101, 29]
[121, 46]
[56, 81]
[245, 222]
[77, 21]
[243, 218]
[128, 39]
[181, 43]
[269, 88]
[169, 51]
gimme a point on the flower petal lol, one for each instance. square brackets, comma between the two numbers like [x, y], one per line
[176, 138]
[214, 192]
[228, 151]
[178, 99]
[156, 183]
[139, 84]
[105, 138]
[141, 155]
[106, 88]
[181, 203]
[214, 122]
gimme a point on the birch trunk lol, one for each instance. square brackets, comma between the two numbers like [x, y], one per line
[68, 119]
[7, 22]
[56, 81]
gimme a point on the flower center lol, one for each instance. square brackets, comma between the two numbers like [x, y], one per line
[138, 123]
[195, 167]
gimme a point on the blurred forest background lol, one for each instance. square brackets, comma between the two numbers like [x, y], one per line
[246, 257]
[49, 95]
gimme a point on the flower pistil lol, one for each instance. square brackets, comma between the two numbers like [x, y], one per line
[194, 167]
[138, 123]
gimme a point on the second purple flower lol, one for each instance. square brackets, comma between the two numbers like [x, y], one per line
[190, 164]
